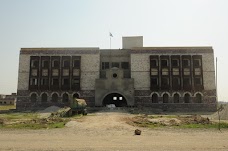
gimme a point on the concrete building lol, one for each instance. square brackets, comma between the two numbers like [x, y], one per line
[168, 78]
[8, 99]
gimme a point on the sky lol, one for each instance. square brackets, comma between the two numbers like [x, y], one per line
[87, 23]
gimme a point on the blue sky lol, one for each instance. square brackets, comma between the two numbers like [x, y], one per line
[86, 23]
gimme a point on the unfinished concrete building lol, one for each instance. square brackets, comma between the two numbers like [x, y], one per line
[168, 78]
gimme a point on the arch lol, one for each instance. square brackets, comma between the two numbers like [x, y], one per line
[65, 97]
[176, 93]
[154, 93]
[33, 97]
[76, 95]
[65, 93]
[176, 98]
[187, 93]
[165, 98]
[56, 93]
[187, 98]
[198, 93]
[166, 93]
[198, 98]
[54, 97]
[44, 97]
[154, 98]
[115, 98]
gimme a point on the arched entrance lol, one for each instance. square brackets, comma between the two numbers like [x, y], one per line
[115, 98]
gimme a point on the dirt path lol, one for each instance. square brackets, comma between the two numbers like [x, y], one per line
[108, 131]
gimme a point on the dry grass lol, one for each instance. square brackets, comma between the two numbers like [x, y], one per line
[7, 107]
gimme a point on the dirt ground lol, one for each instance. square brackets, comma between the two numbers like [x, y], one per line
[108, 131]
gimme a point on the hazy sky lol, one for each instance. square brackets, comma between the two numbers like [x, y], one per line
[86, 23]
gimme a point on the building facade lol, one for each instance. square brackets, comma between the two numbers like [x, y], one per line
[168, 78]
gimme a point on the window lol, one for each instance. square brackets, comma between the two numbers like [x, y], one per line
[76, 64]
[165, 98]
[55, 63]
[66, 81]
[66, 63]
[35, 64]
[196, 62]
[198, 98]
[33, 97]
[44, 97]
[154, 63]
[115, 64]
[33, 81]
[176, 98]
[154, 71]
[104, 65]
[75, 81]
[44, 81]
[165, 81]
[55, 81]
[54, 97]
[45, 64]
[154, 98]
[186, 81]
[186, 62]
[186, 71]
[176, 71]
[66, 72]
[45, 72]
[76, 72]
[197, 81]
[34, 72]
[165, 71]
[176, 83]
[55, 72]
[125, 65]
[164, 63]
[187, 98]
[175, 63]
[154, 81]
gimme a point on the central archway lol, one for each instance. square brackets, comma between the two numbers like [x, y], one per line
[115, 98]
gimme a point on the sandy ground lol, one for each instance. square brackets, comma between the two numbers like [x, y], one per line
[108, 131]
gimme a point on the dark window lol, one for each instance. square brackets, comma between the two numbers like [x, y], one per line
[196, 63]
[164, 63]
[44, 81]
[176, 98]
[77, 64]
[187, 98]
[55, 64]
[176, 83]
[65, 97]
[165, 98]
[45, 64]
[115, 64]
[104, 65]
[55, 82]
[66, 81]
[154, 81]
[125, 65]
[198, 98]
[33, 81]
[33, 97]
[44, 97]
[175, 63]
[197, 81]
[35, 64]
[153, 63]
[76, 96]
[186, 63]
[75, 81]
[165, 82]
[154, 98]
[186, 81]
[66, 63]
[54, 97]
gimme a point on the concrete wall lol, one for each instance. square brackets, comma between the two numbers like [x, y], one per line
[125, 87]
[131, 42]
